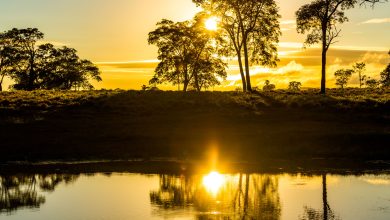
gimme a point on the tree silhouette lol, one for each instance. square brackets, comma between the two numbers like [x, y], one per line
[8, 58]
[252, 27]
[34, 66]
[25, 43]
[359, 68]
[319, 20]
[342, 77]
[385, 76]
[187, 54]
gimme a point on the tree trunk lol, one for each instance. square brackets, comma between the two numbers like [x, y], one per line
[241, 72]
[248, 76]
[324, 197]
[31, 77]
[323, 68]
[246, 198]
[1, 83]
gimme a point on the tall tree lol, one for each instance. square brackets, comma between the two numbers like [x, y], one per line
[359, 68]
[319, 19]
[252, 28]
[8, 58]
[385, 76]
[187, 54]
[25, 43]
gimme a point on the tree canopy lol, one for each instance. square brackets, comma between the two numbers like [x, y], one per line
[252, 28]
[42, 66]
[187, 54]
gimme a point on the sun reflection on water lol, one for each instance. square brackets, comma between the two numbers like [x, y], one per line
[213, 182]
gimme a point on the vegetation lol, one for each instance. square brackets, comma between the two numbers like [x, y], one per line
[33, 66]
[268, 86]
[186, 52]
[150, 124]
[359, 68]
[252, 28]
[342, 77]
[319, 19]
[295, 86]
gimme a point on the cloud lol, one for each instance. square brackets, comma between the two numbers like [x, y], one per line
[287, 22]
[55, 43]
[376, 21]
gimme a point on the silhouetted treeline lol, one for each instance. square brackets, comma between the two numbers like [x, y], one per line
[33, 65]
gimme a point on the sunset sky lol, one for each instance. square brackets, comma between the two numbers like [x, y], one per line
[113, 34]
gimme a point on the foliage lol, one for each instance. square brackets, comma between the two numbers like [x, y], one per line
[186, 52]
[319, 20]
[342, 77]
[43, 66]
[372, 83]
[359, 68]
[252, 28]
[385, 76]
[295, 86]
[268, 87]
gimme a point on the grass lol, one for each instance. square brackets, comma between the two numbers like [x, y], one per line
[89, 125]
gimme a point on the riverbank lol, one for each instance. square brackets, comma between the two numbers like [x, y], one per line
[113, 125]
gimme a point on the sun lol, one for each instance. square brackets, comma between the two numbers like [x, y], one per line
[211, 24]
[213, 182]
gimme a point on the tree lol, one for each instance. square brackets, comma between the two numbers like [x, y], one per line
[342, 77]
[385, 76]
[372, 83]
[268, 86]
[252, 28]
[33, 66]
[24, 41]
[319, 20]
[359, 68]
[295, 86]
[187, 54]
[7, 58]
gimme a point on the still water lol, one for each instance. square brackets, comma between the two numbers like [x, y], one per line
[201, 196]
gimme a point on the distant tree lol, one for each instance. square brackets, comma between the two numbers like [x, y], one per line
[268, 86]
[319, 19]
[342, 77]
[372, 83]
[187, 54]
[43, 66]
[385, 76]
[252, 27]
[295, 86]
[359, 68]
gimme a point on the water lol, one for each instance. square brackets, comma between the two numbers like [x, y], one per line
[199, 196]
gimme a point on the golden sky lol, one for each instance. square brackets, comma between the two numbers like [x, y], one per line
[113, 34]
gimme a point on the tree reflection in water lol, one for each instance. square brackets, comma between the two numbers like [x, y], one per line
[326, 213]
[22, 191]
[242, 196]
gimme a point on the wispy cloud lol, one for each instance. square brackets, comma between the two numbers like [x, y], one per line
[285, 22]
[55, 43]
[376, 21]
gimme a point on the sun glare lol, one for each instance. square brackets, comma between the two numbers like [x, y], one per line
[213, 182]
[211, 24]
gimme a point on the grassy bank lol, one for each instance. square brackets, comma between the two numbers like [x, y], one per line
[118, 124]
